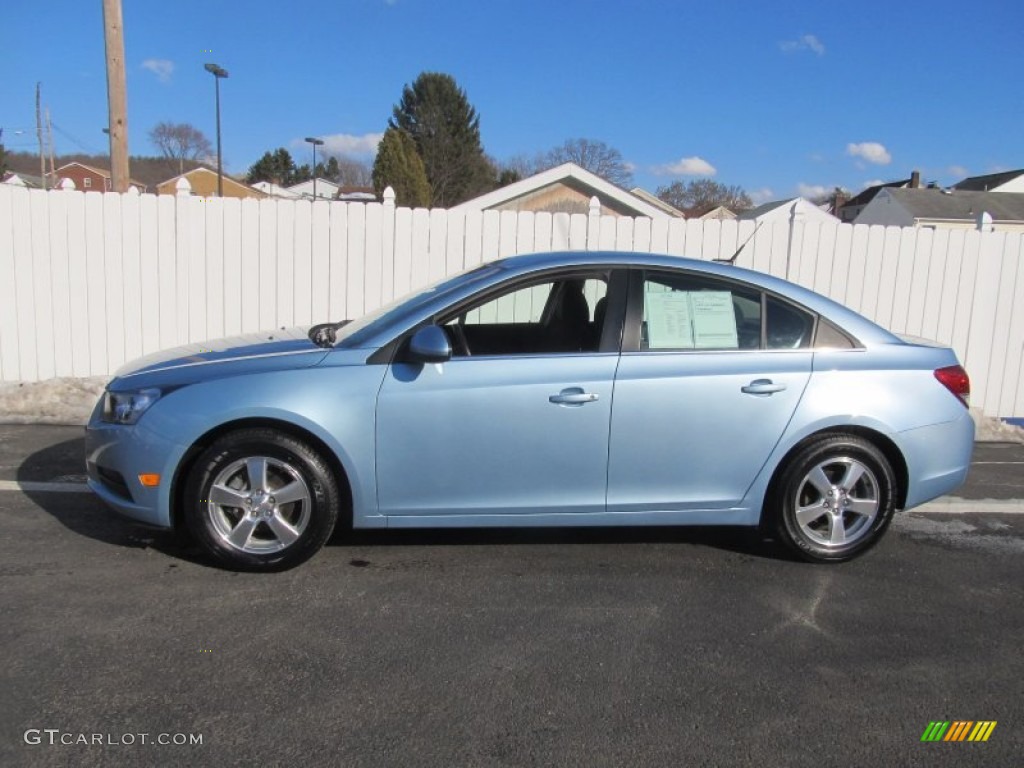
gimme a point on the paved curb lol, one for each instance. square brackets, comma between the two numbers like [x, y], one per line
[952, 505]
[28, 485]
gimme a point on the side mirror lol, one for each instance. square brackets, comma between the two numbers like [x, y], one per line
[430, 345]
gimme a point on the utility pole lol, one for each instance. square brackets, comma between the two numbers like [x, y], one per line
[39, 135]
[117, 97]
[49, 142]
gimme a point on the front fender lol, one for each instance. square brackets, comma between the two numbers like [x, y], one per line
[335, 404]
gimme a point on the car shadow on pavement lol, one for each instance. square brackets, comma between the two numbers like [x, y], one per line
[741, 540]
[85, 515]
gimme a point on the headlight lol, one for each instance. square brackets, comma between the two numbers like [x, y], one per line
[128, 407]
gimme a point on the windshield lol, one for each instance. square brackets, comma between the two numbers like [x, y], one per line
[356, 333]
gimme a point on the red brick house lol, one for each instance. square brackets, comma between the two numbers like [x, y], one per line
[88, 178]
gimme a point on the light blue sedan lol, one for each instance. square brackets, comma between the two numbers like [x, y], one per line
[556, 389]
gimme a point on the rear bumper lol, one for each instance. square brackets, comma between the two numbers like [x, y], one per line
[938, 458]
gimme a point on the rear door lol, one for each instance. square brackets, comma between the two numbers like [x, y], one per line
[702, 393]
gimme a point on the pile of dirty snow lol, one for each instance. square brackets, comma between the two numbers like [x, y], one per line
[54, 401]
[988, 430]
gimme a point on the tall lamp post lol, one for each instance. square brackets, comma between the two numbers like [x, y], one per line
[218, 73]
[316, 143]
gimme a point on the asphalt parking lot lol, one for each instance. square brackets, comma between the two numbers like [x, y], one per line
[514, 648]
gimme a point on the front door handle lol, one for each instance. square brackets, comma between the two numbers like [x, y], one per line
[573, 396]
[762, 387]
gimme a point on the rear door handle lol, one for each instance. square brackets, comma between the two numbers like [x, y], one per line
[573, 396]
[762, 387]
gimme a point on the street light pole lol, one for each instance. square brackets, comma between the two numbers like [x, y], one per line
[218, 73]
[316, 143]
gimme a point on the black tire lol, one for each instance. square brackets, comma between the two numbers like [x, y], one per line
[834, 499]
[263, 532]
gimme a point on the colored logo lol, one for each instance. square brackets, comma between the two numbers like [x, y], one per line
[958, 730]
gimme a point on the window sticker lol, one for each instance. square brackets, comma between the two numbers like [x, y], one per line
[669, 320]
[714, 321]
[690, 320]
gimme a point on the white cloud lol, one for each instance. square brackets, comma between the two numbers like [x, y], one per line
[686, 166]
[811, 191]
[804, 43]
[871, 151]
[957, 170]
[347, 144]
[162, 68]
[762, 195]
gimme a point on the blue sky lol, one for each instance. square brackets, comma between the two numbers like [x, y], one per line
[778, 97]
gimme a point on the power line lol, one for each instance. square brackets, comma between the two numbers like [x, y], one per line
[89, 150]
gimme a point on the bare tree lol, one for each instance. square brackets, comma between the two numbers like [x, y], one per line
[595, 156]
[349, 172]
[701, 195]
[180, 142]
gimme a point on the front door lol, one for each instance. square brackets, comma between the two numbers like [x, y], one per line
[516, 423]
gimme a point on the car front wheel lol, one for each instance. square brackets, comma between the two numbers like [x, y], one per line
[261, 500]
[834, 499]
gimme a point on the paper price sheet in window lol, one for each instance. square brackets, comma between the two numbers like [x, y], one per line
[690, 320]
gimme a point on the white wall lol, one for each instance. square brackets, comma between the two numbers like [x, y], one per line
[1014, 185]
[89, 281]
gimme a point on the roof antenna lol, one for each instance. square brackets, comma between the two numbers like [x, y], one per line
[732, 258]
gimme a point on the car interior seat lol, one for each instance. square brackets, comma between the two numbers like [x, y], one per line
[567, 330]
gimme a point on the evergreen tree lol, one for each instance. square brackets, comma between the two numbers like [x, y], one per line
[277, 166]
[399, 166]
[445, 127]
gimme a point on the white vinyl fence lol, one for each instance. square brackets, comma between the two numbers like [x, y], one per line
[89, 281]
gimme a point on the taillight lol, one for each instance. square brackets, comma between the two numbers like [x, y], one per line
[955, 379]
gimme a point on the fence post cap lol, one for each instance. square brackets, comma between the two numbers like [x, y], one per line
[133, 190]
[595, 206]
[66, 183]
[183, 187]
[389, 196]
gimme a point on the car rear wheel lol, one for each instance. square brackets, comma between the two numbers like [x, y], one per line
[261, 500]
[834, 499]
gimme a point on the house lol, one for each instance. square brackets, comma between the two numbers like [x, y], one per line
[851, 209]
[204, 184]
[566, 188]
[717, 212]
[355, 194]
[325, 190]
[951, 209]
[1007, 181]
[783, 211]
[88, 178]
[647, 197]
[270, 189]
[22, 180]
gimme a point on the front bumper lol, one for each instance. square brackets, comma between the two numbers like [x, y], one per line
[115, 456]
